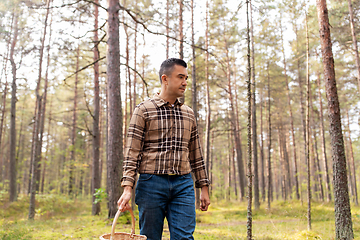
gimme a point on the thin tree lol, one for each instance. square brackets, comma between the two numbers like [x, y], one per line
[13, 195]
[355, 44]
[262, 157]
[43, 112]
[270, 191]
[208, 109]
[181, 29]
[193, 87]
[115, 143]
[74, 127]
[253, 118]
[249, 123]
[307, 133]
[167, 28]
[343, 222]
[96, 124]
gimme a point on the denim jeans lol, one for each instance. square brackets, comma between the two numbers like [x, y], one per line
[160, 196]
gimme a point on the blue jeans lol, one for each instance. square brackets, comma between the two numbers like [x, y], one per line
[160, 196]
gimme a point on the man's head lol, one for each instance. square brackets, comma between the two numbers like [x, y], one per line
[173, 78]
[168, 65]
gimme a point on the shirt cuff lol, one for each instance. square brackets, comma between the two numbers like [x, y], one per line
[127, 182]
[201, 183]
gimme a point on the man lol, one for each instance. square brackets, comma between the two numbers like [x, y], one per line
[163, 145]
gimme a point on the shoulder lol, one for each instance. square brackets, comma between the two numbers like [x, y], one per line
[188, 110]
[145, 107]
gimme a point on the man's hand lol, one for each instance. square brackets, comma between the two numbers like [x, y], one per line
[204, 198]
[123, 202]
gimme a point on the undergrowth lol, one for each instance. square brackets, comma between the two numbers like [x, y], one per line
[58, 217]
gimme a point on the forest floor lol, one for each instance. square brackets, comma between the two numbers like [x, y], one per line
[58, 217]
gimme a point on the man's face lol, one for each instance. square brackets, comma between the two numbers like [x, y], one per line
[176, 82]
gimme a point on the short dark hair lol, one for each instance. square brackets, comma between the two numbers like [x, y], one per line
[167, 66]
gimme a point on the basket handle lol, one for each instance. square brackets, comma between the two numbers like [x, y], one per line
[115, 220]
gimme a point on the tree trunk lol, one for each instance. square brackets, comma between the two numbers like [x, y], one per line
[115, 143]
[343, 222]
[291, 117]
[323, 146]
[208, 109]
[249, 137]
[35, 159]
[352, 166]
[181, 37]
[181, 29]
[167, 29]
[96, 128]
[193, 87]
[253, 119]
[270, 191]
[318, 170]
[3, 111]
[13, 195]
[263, 186]
[353, 34]
[307, 133]
[73, 130]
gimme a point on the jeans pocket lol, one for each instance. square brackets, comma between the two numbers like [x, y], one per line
[145, 176]
[186, 176]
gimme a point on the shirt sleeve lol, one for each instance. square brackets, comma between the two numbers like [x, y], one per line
[133, 147]
[196, 159]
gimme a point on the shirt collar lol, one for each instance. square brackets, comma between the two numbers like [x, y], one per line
[160, 102]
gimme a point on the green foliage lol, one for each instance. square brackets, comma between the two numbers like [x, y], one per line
[100, 194]
[61, 218]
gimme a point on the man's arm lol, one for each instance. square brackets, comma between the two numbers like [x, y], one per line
[134, 143]
[204, 198]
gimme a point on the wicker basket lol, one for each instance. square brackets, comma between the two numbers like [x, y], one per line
[123, 236]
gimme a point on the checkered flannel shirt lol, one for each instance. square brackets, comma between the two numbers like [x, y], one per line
[163, 139]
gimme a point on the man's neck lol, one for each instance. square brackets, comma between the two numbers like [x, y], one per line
[169, 99]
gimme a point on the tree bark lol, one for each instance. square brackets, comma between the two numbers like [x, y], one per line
[167, 28]
[96, 128]
[355, 44]
[13, 195]
[307, 133]
[343, 222]
[270, 191]
[115, 135]
[208, 109]
[193, 87]
[73, 130]
[181, 29]
[3, 111]
[253, 119]
[263, 186]
[249, 123]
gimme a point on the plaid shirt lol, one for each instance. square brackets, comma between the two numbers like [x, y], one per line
[163, 139]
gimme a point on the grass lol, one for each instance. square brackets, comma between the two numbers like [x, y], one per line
[58, 217]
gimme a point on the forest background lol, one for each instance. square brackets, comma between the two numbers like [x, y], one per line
[56, 53]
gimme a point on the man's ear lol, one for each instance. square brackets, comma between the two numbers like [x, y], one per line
[164, 79]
